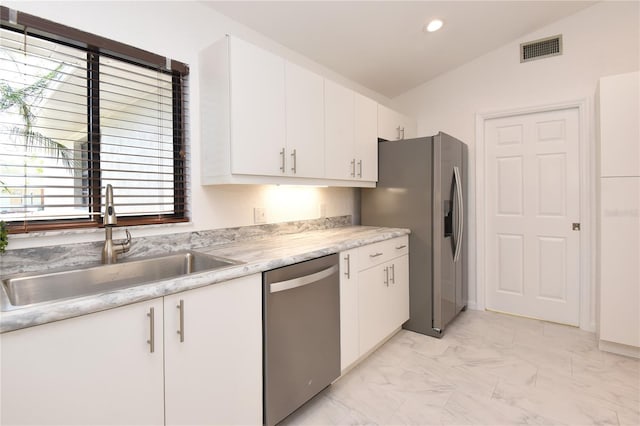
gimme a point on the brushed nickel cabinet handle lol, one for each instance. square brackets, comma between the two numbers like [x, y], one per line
[393, 273]
[282, 160]
[386, 276]
[293, 156]
[152, 330]
[360, 168]
[376, 254]
[401, 247]
[353, 168]
[347, 259]
[181, 330]
[398, 129]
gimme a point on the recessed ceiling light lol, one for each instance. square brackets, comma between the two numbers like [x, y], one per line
[434, 25]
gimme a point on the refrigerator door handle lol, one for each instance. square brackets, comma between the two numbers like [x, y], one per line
[460, 215]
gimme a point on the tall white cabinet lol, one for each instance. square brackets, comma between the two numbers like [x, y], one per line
[618, 99]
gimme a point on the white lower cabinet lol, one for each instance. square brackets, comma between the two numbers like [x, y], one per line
[349, 340]
[100, 368]
[383, 295]
[89, 370]
[374, 300]
[213, 354]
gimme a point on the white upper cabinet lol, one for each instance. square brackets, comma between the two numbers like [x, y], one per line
[305, 122]
[266, 120]
[351, 144]
[619, 103]
[339, 131]
[394, 126]
[366, 139]
[257, 109]
[242, 111]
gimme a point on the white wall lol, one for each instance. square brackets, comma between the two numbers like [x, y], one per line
[179, 30]
[601, 40]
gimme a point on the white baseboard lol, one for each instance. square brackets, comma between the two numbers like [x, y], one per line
[620, 349]
[472, 305]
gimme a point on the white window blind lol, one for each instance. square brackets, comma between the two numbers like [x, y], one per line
[74, 119]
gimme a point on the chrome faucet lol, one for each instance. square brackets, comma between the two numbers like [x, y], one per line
[111, 250]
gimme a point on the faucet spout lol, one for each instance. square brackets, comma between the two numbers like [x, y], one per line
[110, 218]
[111, 249]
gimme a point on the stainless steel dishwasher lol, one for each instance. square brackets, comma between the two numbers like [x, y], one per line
[301, 330]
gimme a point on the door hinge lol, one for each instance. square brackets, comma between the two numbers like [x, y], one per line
[575, 226]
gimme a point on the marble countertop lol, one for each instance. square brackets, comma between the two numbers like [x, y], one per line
[256, 256]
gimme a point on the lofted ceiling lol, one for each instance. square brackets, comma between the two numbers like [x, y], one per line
[381, 44]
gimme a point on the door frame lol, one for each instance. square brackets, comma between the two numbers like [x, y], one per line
[587, 171]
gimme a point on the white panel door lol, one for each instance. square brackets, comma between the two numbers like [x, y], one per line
[213, 375]
[532, 200]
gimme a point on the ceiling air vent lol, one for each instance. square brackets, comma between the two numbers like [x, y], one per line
[543, 48]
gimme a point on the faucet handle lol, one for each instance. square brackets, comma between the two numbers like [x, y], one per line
[126, 244]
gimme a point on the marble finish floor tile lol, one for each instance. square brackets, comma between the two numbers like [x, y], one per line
[488, 369]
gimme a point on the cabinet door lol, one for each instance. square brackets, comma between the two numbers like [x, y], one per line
[214, 375]
[305, 122]
[394, 126]
[389, 124]
[399, 284]
[373, 306]
[257, 110]
[349, 334]
[366, 138]
[410, 127]
[619, 266]
[340, 159]
[93, 369]
[619, 128]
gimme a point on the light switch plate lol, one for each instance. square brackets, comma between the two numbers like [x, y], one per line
[259, 215]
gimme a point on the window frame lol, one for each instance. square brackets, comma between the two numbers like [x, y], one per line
[96, 47]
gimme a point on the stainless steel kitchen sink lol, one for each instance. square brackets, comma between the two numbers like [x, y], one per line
[30, 288]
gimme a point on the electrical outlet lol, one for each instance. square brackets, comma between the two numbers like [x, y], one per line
[259, 215]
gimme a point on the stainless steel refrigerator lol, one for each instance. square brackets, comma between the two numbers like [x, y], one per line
[421, 186]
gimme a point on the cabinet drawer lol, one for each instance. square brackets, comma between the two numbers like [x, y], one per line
[377, 253]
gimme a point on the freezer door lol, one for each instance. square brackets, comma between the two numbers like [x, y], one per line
[448, 230]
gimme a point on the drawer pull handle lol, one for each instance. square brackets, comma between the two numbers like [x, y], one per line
[401, 247]
[375, 254]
